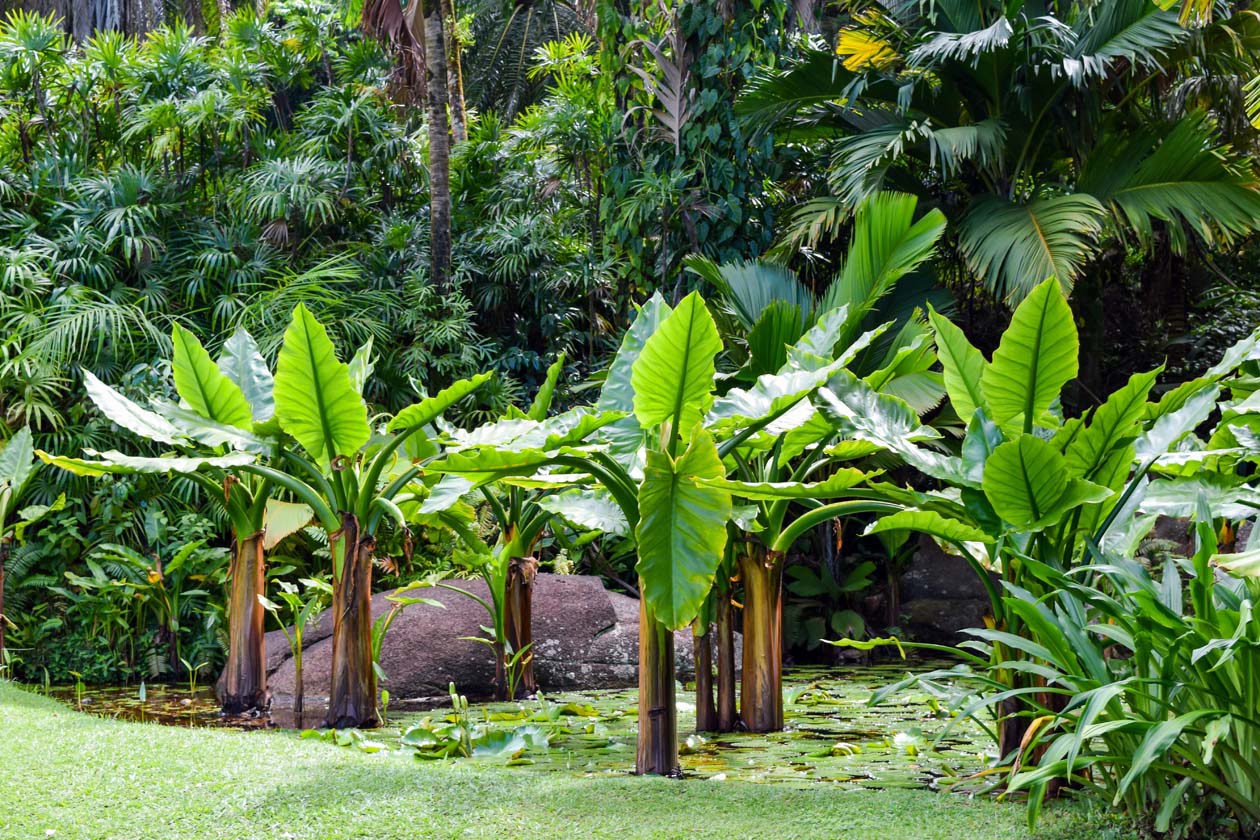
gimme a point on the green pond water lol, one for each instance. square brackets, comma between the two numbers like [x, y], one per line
[832, 736]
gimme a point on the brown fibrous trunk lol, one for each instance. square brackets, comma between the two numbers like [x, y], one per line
[242, 686]
[761, 690]
[352, 697]
[657, 748]
[727, 714]
[518, 622]
[706, 711]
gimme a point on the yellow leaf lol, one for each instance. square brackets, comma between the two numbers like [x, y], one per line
[862, 51]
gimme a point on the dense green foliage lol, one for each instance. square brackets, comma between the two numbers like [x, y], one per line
[688, 337]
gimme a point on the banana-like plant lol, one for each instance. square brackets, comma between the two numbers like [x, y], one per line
[791, 341]
[1026, 484]
[225, 421]
[523, 511]
[352, 480]
[646, 445]
[17, 467]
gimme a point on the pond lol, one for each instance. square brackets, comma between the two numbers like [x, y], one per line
[832, 735]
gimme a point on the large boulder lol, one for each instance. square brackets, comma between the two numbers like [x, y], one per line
[584, 637]
[941, 596]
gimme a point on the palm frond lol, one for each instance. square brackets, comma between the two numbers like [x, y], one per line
[1183, 179]
[1013, 246]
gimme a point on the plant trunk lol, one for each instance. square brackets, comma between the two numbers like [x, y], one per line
[243, 685]
[454, 74]
[518, 620]
[439, 146]
[761, 695]
[657, 751]
[4, 556]
[726, 711]
[299, 693]
[706, 711]
[500, 671]
[352, 698]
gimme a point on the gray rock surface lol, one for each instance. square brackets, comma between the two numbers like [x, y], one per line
[584, 637]
[941, 596]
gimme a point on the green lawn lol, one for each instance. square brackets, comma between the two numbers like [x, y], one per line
[68, 775]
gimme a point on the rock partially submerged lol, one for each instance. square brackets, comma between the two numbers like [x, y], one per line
[585, 637]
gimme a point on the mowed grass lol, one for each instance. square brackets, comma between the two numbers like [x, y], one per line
[69, 775]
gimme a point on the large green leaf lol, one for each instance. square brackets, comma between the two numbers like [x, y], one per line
[617, 393]
[1012, 247]
[682, 530]
[241, 362]
[206, 389]
[844, 479]
[431, 408]
[542, 400]
[963, 365]
[858, 411]
[128, 414]
[673, 376]
[1176, 175]
[1027, 482]
[1035, 359]
[111, 462]
[928, 522]
[887, 243]
[588, 508]
[1111, 431]
[316, 401]
[17, 460]
[771, 394]
[780, 325]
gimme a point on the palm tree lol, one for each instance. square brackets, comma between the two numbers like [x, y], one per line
[439, 142]
[1042, 137]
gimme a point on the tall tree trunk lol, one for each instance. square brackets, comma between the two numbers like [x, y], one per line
[454, 74]
[657, 749]
[439, 146]
[518, 621]
[352, 698]
[726, 711]
[761, 694]
[242, 686]
[706, 711]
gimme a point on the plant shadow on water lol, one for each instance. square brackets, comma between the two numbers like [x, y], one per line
[831, 735]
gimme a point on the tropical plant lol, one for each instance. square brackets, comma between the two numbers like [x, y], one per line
[352, 480]
[304, 605]
[1027, 485]
[226, 422]
[790, 345]
[977, 107]
[17, 467]
[1150, 679]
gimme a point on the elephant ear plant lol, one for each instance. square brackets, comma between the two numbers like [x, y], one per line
[522, 511]
[646, 447]
[1026, 486]
[225, 421]
[352, 479]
